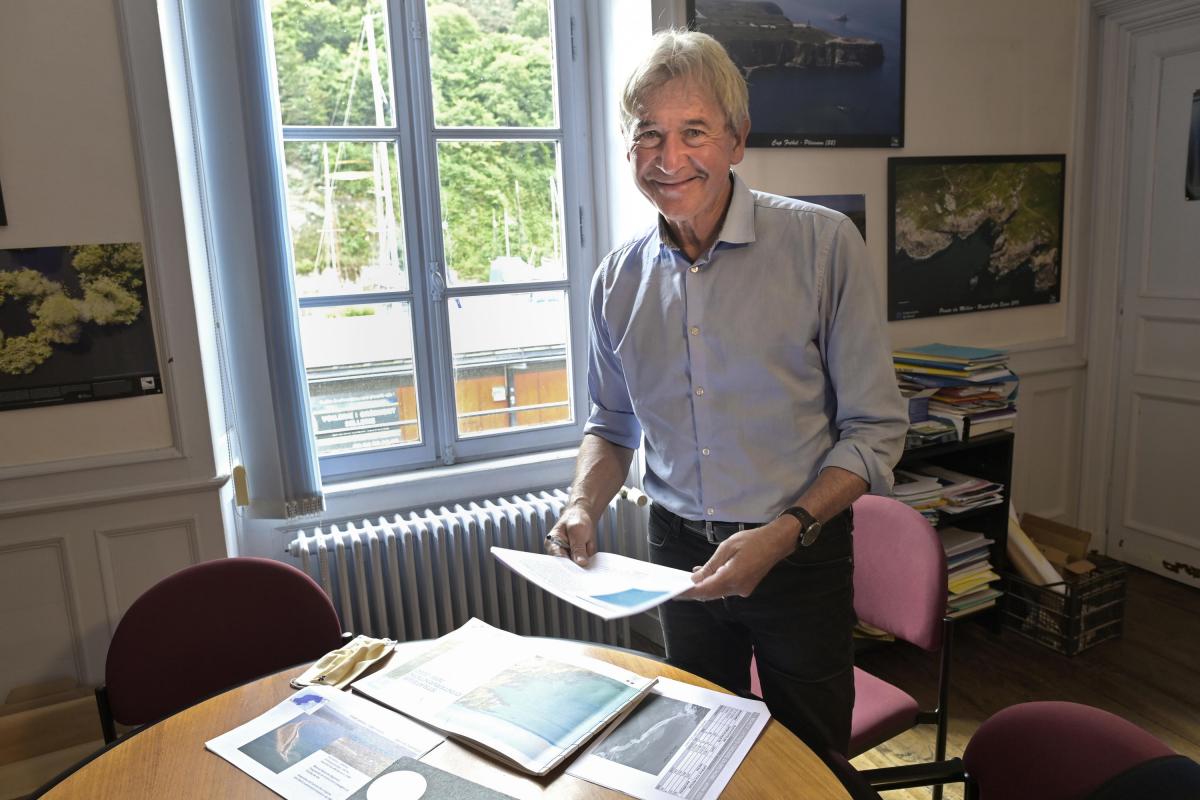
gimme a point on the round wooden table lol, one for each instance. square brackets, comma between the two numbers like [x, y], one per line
[168, 759]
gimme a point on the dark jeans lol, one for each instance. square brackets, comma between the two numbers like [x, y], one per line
[798, 623]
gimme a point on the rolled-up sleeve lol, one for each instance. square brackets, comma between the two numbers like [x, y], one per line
[612, 415]
[871, 416]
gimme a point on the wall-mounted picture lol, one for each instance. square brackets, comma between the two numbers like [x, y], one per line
[3, 215]
[822, 73]
[973, 233]
[1192, 182]
[853, 206]
[75, 325]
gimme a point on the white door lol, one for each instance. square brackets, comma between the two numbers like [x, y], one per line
[1153, 519]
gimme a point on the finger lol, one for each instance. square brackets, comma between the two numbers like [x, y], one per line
[580, 538]
[556, 543]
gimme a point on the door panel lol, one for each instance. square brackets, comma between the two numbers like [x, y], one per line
[1152, 520]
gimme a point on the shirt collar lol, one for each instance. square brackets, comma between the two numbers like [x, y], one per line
[738, 227]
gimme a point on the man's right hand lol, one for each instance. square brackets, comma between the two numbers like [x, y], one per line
[573, 536]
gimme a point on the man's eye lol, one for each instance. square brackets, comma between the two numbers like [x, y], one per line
[646, 138]
[693, 133]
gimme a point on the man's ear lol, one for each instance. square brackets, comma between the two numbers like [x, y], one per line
[739, 149]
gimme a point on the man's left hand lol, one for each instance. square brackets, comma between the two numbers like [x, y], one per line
[743, 560]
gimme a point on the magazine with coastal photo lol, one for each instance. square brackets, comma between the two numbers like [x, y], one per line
[682, 741]
[322, 744]
[513, 698]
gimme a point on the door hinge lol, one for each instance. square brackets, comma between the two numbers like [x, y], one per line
[581, 226]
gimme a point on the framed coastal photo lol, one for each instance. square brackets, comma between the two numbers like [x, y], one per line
[822, 73]
[973, 233]
[75, 325]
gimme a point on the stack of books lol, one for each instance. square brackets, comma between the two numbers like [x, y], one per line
[970, 389]
[970, 579]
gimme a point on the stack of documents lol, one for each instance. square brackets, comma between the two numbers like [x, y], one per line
[922, 493]
[960, 492]
[969, 573]
[974, 390]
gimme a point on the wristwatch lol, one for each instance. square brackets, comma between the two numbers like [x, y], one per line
[810, 528]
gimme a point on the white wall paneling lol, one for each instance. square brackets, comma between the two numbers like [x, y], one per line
[133, 559]
[38, 620]
[1046, 455]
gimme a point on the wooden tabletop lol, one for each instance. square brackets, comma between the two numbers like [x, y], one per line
[168, 759]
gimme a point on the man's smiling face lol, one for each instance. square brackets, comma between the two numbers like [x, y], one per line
[681, 149]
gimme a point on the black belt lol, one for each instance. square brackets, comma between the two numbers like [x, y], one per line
[717, 532]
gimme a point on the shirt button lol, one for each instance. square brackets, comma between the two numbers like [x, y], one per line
[694, 269]
[694, 330]
[699, 391]
[706, 452]
[709, 511]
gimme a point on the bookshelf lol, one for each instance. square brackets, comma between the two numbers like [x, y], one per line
[989, 457]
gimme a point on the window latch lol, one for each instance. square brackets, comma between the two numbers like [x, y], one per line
[437, 284]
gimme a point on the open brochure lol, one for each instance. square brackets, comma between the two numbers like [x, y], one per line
[682, 741]
[610, 586]
[499, 693]
[322, 744]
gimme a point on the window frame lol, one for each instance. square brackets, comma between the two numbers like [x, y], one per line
[416, 137]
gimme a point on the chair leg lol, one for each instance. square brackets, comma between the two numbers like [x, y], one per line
[107, 725]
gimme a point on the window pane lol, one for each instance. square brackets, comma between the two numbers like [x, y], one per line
[345, 217]
[492, 63]
[362, 389]
[510, 361]
[501, 211]
[332, 62]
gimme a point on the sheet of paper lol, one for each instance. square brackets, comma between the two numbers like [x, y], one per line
[610, 586]
[680, 742]
[322, 744]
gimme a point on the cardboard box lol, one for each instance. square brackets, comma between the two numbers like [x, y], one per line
[1064, 546]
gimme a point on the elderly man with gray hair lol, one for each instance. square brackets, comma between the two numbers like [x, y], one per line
[742, 340]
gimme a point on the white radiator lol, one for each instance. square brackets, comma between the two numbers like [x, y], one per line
[421, 574]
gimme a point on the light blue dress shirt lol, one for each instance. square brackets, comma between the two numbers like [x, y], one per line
[751, 370]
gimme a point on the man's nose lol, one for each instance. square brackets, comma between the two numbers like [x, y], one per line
[672, 156]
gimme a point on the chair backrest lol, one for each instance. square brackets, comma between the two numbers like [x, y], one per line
[212, 626]
[1056, 750]
[899, 571]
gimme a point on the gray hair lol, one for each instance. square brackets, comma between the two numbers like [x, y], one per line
[690, 55]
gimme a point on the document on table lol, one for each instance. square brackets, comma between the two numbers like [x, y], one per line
[682, 741]
[322, 744]
[610, 586]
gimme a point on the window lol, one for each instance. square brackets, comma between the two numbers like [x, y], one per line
[433, 173]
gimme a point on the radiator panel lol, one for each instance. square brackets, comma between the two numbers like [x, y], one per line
[422, 574]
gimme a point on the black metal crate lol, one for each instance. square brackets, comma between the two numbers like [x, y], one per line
[1090, 610]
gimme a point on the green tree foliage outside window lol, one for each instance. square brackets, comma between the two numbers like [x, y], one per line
[491, 66]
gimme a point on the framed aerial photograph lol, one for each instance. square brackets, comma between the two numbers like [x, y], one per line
[1191, 182]
[822, 73]
[75, 325]
[3, 215]
[853, 206]
[973, 233]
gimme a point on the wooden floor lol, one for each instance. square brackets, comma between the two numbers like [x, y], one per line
[1151, 676]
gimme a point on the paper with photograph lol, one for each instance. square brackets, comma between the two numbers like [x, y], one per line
[322, 744]
[499, 692]
[610, 586]
[681, 741]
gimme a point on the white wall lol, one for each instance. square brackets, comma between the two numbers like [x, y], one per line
[97, 500]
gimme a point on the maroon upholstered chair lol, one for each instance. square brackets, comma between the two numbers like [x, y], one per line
[209, 627]
[1055, 750]
[1050, 750]
[899, 587]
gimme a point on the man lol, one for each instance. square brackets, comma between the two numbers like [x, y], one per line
[743, 338]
